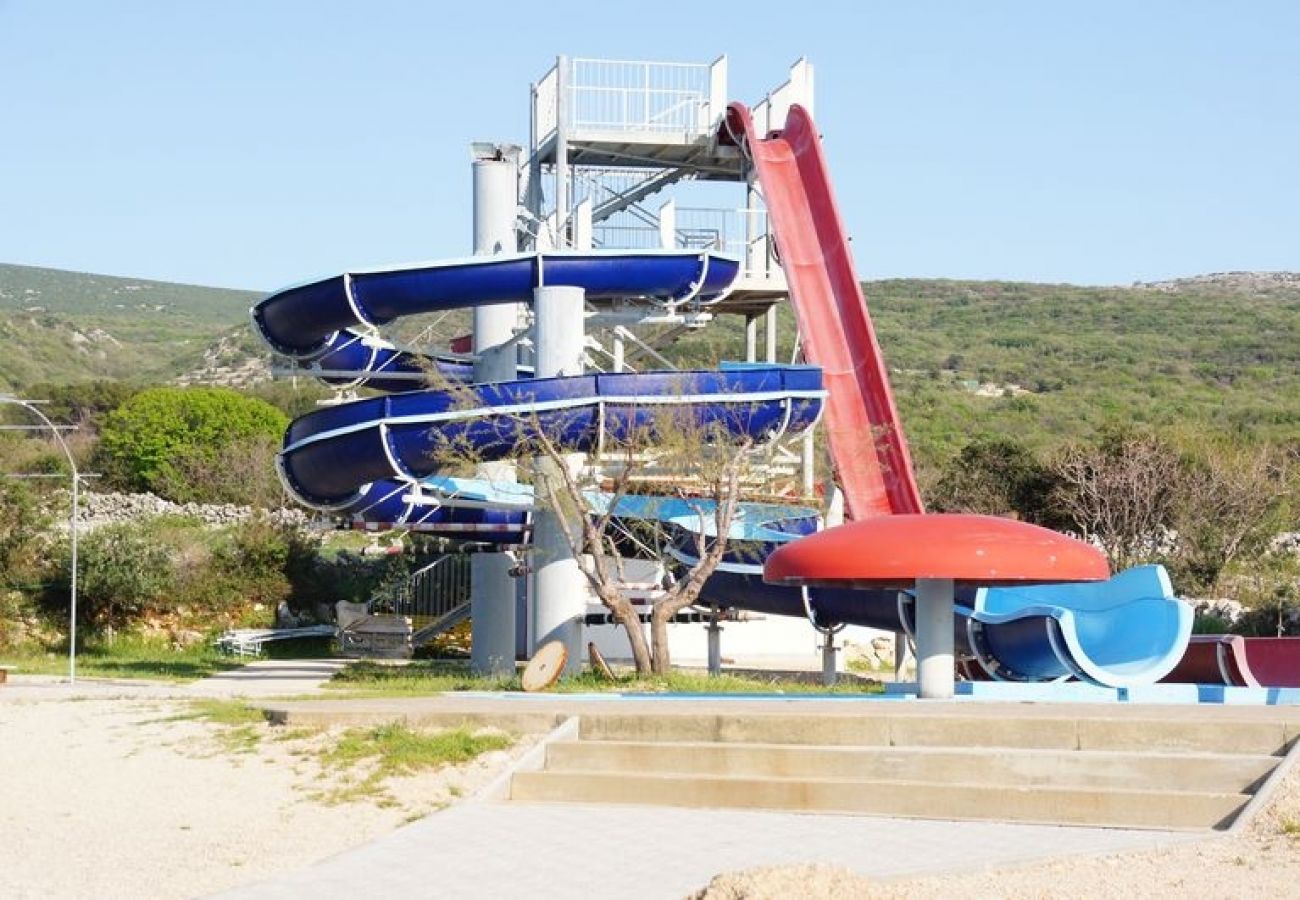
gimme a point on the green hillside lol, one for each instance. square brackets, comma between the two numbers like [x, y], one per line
[1049, 362]
[70, 326]
[1040, 362]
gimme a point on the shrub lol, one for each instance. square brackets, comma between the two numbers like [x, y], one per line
[22, 524]
[161, 437]
[123, 573]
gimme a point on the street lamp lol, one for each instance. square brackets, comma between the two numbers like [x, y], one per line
[72, 527]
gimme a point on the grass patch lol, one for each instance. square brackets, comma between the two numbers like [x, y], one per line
[417, 678]
[448, 676]
[394, 750]
[1289, 826]
[227, 712]
[128, 658]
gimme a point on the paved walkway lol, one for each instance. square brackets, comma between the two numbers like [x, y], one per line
[270, 678]
[259, 679]
[630, 852]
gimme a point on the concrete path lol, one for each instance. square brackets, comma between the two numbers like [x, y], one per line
[260, 679]
[631, 852]
[270, 678]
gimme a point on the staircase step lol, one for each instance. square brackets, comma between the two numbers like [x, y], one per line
[1259, 738]
[1195, 772]
[1110, 807]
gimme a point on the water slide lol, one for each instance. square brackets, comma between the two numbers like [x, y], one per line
[366, 459]
[862, 425]
[378, 459]
[1127, 631]
[1236, 661]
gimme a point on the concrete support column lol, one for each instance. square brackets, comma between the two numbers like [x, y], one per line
[751, 339]
[559, 588]
[829, 673]
[492, 590]
[714, 629]
[934, 638]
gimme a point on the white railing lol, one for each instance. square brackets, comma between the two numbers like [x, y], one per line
[741, 233]
[681, 99]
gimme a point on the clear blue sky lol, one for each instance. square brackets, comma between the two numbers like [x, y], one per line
[253, 143]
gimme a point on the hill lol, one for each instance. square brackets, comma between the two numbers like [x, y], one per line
[58, 326]
[1040, 362]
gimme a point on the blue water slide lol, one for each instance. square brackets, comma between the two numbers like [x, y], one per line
[363, 459]
[1128, 631]
[329, 456]
[300, 321]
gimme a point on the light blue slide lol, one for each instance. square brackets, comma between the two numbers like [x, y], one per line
[1128, 631]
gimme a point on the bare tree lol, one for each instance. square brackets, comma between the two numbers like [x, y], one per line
[1119, 492]
[711, 468]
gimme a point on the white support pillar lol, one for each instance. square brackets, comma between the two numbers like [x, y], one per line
[751, 339]
[934, 638]
[560, 589]
[769, 327]
[620, 352]
[668, 225]
[582, 227]
[492, 590]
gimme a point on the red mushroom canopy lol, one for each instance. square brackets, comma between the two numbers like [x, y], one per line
[894, 551]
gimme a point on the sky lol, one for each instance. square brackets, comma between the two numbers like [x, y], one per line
[257, 143]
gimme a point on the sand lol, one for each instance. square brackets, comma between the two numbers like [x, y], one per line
[106, 793]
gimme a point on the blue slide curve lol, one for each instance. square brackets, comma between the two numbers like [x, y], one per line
[364, 459]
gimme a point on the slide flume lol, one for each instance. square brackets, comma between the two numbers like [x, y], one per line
[862, 425]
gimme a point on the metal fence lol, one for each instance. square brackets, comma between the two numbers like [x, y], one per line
[431, 592]
[627, 96]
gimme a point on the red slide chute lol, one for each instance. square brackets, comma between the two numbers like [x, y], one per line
[866, 437]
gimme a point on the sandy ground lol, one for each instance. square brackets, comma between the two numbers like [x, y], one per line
[109, 794]
[1264, 861]
[110, 791]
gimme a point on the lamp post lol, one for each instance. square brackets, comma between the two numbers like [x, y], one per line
[72, 527]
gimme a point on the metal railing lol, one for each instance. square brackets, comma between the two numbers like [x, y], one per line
[742, 233]
[630, 96]
[432, 595]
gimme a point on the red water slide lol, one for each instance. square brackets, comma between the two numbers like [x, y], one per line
[865, 435]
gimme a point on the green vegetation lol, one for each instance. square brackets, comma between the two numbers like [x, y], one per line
[187, 443]
[59, 326]
[394, 750]
[123, 657]
[1040, 401]
[438, 676]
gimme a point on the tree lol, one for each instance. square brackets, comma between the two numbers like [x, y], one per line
[710, 465]
[1230, 500]
[995, 476]
[155, 438]
[1119, 491]
[706, 464]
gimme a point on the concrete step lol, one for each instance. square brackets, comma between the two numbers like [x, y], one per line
[1189, 772]
[911, 799]
[1260, 738]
